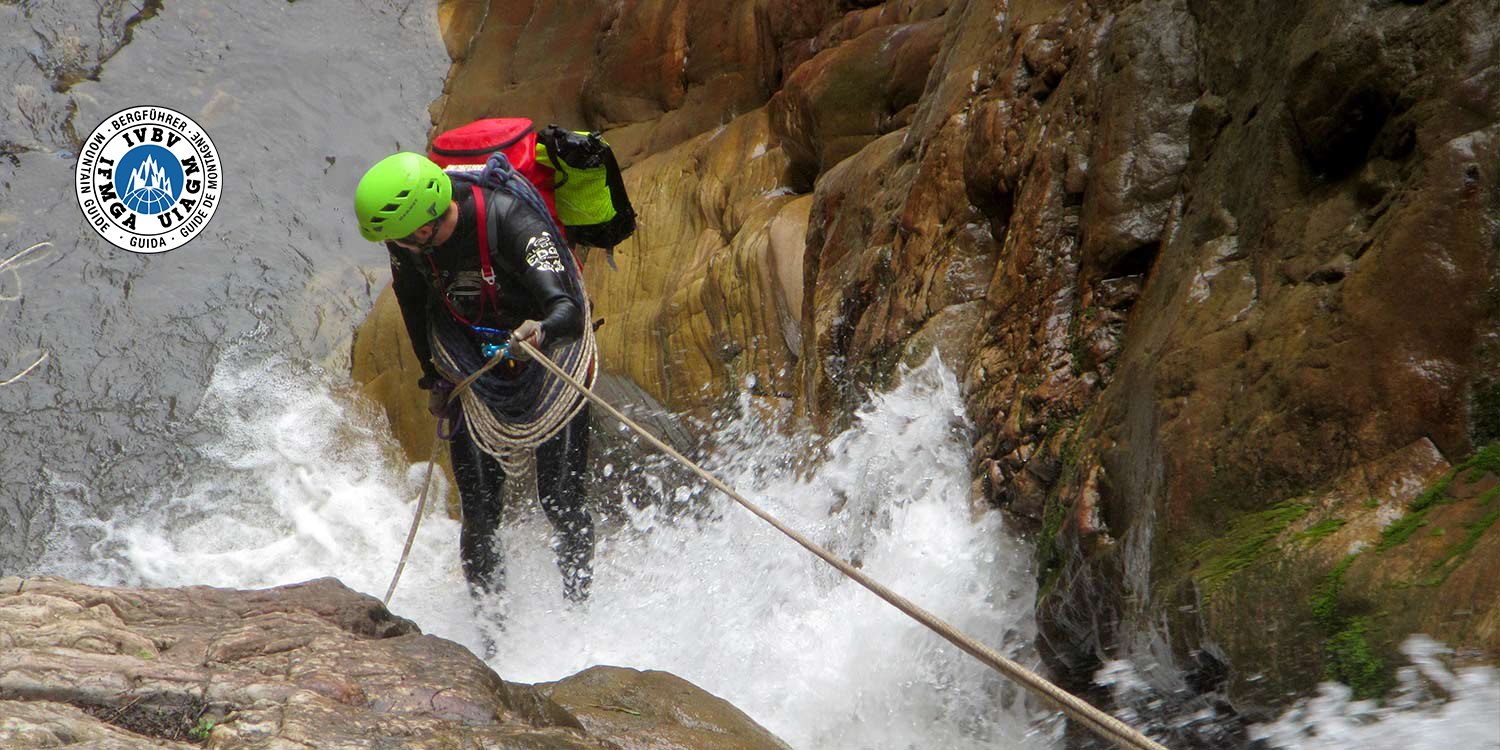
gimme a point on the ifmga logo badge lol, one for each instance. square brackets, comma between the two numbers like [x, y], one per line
[148, 179]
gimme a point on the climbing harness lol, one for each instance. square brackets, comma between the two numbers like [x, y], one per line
[509, 413]
[512, 411]
[1099, 722]
[493, 341]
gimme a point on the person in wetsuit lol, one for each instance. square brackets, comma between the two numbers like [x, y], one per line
[430, 226]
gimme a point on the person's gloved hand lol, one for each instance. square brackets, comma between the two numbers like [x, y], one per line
[531, 332]
[437, 397]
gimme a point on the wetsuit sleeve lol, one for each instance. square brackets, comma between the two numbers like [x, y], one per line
[537, 254]
[411, 295]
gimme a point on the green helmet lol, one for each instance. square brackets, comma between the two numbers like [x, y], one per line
[399, 194]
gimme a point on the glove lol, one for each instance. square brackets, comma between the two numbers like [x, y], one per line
[437, 397]
[531, 332]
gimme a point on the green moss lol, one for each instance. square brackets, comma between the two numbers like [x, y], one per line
[1483, 461]
[1049, 554]
[1247, 540]
[1455, 555]
[1352, 660]
[1416, 516]
[1348, 653]
[1324, 601]
[202, 729]
[1321, 529]
[1489, 497]
[1486, 460]
[1055, 511]
[1400, 531]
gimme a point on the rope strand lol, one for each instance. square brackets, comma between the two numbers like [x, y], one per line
[1098, 722]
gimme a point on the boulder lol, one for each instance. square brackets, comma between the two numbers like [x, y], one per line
[842, 99]
[517, 59]
[307, 665]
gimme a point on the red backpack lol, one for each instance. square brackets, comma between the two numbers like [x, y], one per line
[575, 173]
[468, 147]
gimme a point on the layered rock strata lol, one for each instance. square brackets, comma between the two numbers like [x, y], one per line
[307, 665]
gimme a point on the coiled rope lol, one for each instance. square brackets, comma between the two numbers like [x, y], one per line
[510, 416]
[1098, 722]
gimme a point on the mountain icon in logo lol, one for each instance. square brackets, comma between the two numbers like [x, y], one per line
[149, 180]
[150, 191]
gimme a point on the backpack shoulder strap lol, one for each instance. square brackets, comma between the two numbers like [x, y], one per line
[486, 268]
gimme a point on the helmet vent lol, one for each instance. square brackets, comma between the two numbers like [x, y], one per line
[402, 194]
[390, 207]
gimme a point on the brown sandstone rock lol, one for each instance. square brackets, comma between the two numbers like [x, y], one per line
[1217, 285]
[307, 665]
[515, 58]
[1298, 315]
[836, 103]
[610, 701]
[698, 307]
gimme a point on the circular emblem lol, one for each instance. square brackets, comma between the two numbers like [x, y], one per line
[148, 179]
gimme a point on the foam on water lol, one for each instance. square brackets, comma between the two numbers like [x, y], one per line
[724, 600]
[292, 481]
[1435, 707]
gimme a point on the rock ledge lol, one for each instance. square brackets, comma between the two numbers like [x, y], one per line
[307, 665]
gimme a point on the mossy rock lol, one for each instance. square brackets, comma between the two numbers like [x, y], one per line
[1327, 587]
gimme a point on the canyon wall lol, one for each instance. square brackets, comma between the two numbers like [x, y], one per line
[1221, 282]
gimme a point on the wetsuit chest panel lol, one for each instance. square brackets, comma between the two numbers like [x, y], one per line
[457, 273]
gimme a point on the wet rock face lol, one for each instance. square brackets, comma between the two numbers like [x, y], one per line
[48, 48]
[1285, 263]
[1192, 260]
[310, 665]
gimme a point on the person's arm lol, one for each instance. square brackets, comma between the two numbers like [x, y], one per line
[538, 255]
[411, 295]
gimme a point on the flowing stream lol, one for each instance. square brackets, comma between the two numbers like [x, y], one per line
[194, 425]
[296, 479]
[294, 482]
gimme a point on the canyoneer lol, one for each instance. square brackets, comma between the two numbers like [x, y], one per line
[477, 263]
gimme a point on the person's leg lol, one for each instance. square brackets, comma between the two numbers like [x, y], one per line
[481, 487]
[561, 467]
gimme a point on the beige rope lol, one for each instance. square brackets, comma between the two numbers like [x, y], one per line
[13, 264]
[512, 443]
[1099, 722]
[416, 520]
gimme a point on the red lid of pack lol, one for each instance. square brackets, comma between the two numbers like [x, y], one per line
[473, 143]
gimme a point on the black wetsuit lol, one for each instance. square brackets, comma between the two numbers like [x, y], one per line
[531, 285]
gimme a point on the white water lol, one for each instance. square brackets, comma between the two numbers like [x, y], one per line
[294, 482]
[1436, 707]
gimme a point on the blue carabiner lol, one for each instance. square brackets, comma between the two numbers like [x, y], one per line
[488, 349]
